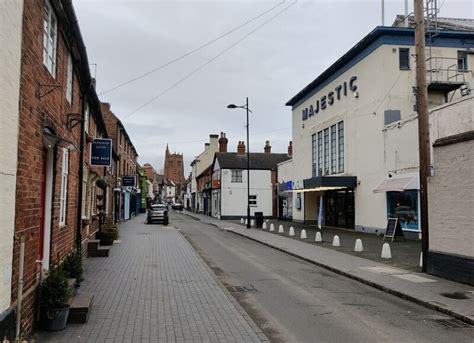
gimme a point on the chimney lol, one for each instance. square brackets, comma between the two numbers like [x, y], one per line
[206, 146]
[241, 148]
[213, 140]
[223, 143]
[290, 149]
[267, 148]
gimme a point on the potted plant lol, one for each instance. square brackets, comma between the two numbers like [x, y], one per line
[101, 183]
[54, 298]
[108, 233]
[72, 267]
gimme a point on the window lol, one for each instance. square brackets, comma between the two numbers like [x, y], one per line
[253, 200]
[49, 38]
[333, 150]
[69, 79]
[63, 196]
[404, 58]
[340, 142]
[236, 176]
[314, 146]
[326, 152]
[86, 118]
[404, 206]
[85, 193]
[320, 152]
[462, 60]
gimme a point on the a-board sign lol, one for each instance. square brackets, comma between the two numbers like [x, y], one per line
[393, 229]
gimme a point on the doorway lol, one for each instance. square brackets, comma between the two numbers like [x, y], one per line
[339, 208]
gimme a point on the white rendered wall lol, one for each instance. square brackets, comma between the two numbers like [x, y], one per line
[11, 12]
[234, 195]
[285, 171]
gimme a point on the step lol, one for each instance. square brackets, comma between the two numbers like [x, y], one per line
[80, 308]
[93, 244]
[100, 252]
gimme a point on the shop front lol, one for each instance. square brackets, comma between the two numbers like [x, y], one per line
[285, 200]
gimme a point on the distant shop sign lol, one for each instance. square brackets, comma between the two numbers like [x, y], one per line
[101, 152]
[128, 181]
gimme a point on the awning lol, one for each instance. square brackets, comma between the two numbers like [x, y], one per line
[399, 183]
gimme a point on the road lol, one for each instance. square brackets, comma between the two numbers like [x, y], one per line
[294, 301]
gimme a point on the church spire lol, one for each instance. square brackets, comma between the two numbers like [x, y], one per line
[167, 149]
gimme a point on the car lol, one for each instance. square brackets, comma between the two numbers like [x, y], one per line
[405, 214]
[157, 213]
[177, 206]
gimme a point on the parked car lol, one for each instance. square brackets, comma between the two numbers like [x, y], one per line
[157, 213]
[177, 206]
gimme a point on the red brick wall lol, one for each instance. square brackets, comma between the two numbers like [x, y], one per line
[35, 113]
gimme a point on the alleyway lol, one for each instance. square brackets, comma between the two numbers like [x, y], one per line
[154, 287]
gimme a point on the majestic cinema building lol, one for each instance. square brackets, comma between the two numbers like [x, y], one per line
[355, 134]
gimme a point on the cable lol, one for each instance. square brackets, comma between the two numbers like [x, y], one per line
[192, 51]
[208, 62]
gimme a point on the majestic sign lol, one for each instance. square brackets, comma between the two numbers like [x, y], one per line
[328, 100]
[128, 181]
[101, 152]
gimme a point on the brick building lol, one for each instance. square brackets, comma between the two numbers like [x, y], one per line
[174, 170]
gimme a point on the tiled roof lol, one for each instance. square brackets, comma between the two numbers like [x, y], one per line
[233, 160]
[451, 24]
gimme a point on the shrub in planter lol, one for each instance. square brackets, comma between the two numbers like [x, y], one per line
[106, 236]
[101, 183]
[54, 300]
[72, 266]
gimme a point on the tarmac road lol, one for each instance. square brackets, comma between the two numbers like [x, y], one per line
[294, 301]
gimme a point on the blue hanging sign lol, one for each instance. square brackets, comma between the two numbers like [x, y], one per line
[128, 181]
[101, 152]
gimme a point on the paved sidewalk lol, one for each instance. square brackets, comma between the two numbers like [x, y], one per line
[154, 287]
[420, 288]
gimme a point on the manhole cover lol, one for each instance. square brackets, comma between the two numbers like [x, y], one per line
[455, 295]
[453, 323]
[241, 289]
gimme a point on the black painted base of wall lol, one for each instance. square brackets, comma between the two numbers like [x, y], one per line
[449, 266]
[7, 324]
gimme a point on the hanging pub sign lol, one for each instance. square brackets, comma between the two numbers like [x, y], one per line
[394, 229]
[101, 152]
[128, 181]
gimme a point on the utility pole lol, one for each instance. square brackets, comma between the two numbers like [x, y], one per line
[423, 124]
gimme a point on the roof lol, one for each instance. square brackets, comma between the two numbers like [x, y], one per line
[378, 36]
[450, 24]
[258, 160]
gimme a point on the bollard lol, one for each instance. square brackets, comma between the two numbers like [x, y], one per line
[292, 232]
[386, 253]
[358, 246]
[303, 234]
[421, 259]
[280, 229]
[335, 241]
[272, 227]
[241, 220]
[318, 238]
[264, 225]
[245, 222]
[252, 222]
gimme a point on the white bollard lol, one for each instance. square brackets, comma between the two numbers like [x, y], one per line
[264, 225]
[245, 222]
[241, 220]
[266, 220]
[318, 238]
[421, 259]
[358, 246]
[292, 232]
[280, 229]
[386, 253]
[272, 227]
[252, 222]
[335, 241]
[303, 234]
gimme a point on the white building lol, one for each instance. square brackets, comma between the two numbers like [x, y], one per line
[229, 183]
[11, 19]
[355, 128]
[168, 192]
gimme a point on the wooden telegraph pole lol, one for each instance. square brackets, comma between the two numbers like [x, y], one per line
[423, 124]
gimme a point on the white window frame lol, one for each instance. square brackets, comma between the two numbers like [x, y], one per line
[86, 118]
[236, 176]
[85, 193]
[63, 196]
[69, 79]
[50, 38]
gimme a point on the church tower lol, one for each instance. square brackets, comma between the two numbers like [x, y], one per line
[174, 168]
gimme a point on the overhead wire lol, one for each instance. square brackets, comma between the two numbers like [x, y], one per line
[190, 52]
[194, 71]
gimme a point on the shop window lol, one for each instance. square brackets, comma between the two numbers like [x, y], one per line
[404, 58]
[236, 176]
[253, 200]
[462, 60]
[404, 206]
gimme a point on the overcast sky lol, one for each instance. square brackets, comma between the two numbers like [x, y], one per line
[128, 38]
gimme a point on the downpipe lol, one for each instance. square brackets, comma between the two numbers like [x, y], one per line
[20, 288]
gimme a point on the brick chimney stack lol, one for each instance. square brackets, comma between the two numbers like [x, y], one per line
[241, 148]
[267, 148]
[290, 149]
[223, 143]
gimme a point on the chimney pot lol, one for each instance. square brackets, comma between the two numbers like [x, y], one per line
[290, 148]
[267, 148]
[241, 148]
[223, 143]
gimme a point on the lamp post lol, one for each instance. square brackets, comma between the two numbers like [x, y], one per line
[246, 107]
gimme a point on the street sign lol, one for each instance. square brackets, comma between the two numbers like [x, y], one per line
[101, 152]
[128, 181]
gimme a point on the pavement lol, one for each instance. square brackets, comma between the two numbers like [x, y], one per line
[154, 287]
[442, 295]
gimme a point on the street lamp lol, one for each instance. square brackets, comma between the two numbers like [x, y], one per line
[246, 107]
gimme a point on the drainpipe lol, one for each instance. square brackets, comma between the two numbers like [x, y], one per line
[20, 288]
[81, 175]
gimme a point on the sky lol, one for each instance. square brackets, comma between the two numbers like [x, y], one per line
[268, 60]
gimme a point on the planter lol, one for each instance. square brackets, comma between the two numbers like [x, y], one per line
[100, 207]
[101, 183]
[100, 197]
[54, 319]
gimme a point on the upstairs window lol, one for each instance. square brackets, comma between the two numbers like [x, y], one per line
[50, 38]
[236, 176]
[404, 58]
[462, 60]
[86, 118]
[69, 79]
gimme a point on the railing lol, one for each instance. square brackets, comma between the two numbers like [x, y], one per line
[446, 70]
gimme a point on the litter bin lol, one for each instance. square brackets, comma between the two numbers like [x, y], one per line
[258, 219]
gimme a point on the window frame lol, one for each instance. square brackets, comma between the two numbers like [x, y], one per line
[69, 79]
[340, 147]
[50, 38]
[407, 51]
[326, 168]
[63, 189]
[236, 175]
[464, 59]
